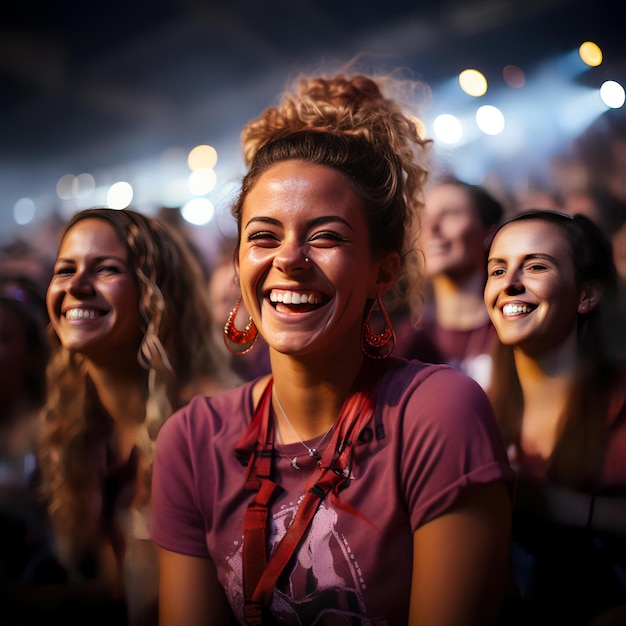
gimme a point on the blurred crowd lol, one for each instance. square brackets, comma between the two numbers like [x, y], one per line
[570, 515]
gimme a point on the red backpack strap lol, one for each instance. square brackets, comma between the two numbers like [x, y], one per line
[333, 472]
[249, 443]
[257, 447]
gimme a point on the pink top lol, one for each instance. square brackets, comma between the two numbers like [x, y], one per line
[433, 435]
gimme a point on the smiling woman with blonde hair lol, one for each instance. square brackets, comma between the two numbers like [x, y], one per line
[131, 342]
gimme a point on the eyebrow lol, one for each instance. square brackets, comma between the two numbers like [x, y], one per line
[318, 221]
[536, 255]
[98, 259]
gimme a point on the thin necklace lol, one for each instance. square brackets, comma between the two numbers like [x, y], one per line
[313, 452]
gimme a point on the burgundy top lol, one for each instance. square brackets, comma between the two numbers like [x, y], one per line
[433, 435]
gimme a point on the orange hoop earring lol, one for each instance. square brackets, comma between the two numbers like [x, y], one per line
[378, 345]
[239, 341]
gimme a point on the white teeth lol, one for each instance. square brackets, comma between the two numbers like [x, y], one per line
[515, 309]
[294, 297]
[80, 314]
[436, 248]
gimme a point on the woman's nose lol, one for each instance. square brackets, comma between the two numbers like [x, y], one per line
[293, 256]
[430, 224]
[514, 284]
[80, 283]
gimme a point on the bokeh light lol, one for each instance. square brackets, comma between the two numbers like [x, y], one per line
[513, 76]
[202, 181]
[198, 211]
[84, 185]
[202, 157]
[120, 195]
[70, 187]
[473, 82]
[590, 53]
[490, 119]
[24, 211]
[447, 128]
[612, 94]
[65, 187]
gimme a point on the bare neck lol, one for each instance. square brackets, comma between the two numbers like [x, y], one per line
[546, 381]
[536, 366]
[122, 392]
[311, 394]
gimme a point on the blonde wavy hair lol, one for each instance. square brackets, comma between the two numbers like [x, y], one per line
[364, 127]
[177, 349]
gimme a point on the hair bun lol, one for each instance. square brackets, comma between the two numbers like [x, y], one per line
[354, 105]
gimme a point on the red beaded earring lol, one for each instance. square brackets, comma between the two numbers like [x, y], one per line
[378, 345]
[239, 341]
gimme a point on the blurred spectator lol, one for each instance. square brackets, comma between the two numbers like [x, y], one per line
[454, 327]
[608, 211]
[24, 541]
[559, 394]
[20, 258]
[131, 342]
[536, 197]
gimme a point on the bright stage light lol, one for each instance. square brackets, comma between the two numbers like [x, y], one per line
[473, 83]
[447, 128]
[490, 120]
[612, 94]
[198, 211]
[590, 53]
[120, 195]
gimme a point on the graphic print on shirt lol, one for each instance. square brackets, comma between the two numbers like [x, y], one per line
[325, 584]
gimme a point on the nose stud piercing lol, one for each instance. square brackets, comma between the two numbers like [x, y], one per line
[306, 259]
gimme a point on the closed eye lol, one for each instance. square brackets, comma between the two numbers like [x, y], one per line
[66, 269]
[108, 269]
[327, 236]
[263, 236]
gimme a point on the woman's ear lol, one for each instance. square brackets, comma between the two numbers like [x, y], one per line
[388, 266]
[589, 297]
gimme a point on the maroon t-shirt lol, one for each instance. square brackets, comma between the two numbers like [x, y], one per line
[433, 435]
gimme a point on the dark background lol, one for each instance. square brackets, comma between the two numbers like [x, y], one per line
[88, 86]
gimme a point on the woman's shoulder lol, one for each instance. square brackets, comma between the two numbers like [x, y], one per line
[204, 414]
[440, 387]
[413, 374]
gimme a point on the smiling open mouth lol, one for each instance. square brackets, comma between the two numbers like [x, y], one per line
[297, 300]
[82, 314]
[517, 309]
